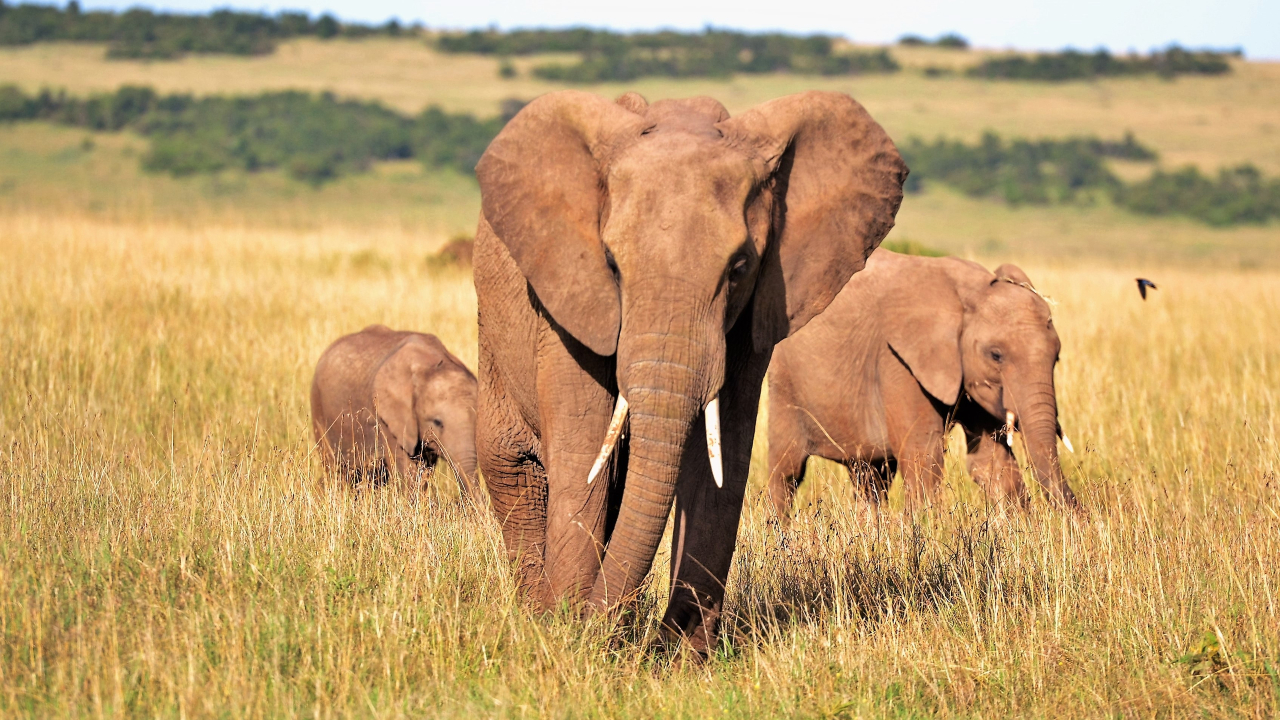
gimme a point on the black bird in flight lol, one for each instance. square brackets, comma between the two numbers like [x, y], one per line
[1143, 284]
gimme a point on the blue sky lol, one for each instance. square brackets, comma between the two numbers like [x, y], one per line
[1120, 25]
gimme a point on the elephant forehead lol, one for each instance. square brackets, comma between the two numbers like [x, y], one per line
[450, 383]
[1016, 304]
[678, 165]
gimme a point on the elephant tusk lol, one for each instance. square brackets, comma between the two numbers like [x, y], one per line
[713, 440]
[1065, 440]
[1009, 420]
[610, 438]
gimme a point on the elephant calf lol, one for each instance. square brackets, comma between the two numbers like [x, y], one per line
[910, 346]
[384, 400]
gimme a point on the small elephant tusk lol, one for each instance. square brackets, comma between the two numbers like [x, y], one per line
[610, 438]
[1009, 420]
[1065, 440]
[713, 440]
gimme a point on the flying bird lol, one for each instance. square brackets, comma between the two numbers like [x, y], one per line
[1143, 284]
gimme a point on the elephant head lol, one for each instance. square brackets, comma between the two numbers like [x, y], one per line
[992, 336]
[427, 400]
[648, 232]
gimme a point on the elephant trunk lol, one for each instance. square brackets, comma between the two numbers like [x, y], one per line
[1038, 420]
[458, 448]
[464, 468]
[664, 377]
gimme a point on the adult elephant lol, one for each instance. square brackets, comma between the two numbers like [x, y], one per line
[910, 346]
[639, 262]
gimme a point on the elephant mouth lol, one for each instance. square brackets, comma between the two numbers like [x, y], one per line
[620, 411]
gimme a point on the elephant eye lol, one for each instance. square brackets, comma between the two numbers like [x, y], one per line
[738, 268]
[437, 422]
[613, 264]
[996, 355]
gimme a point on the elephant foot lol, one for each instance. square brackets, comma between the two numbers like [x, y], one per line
[692, 621]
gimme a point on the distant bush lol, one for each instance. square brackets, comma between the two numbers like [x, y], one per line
[314, 138]
[611, 57]
[458, 252]
[1020, 171]
[140, 33]
[1057, 171]
[1074, 65]
[911, 247]
[1238, 195]
[950, 40]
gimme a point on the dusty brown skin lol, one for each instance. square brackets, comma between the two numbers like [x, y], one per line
[657, 251]
[387, 403]
[910, 346]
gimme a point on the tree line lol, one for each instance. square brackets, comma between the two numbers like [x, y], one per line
[605, 55]
[318, 138]
[608, 56]
[313, 138]
[1075, 65]
[141, 33]
[1040, 172]
[951, 41]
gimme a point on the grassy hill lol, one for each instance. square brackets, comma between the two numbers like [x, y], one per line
[1210, 122]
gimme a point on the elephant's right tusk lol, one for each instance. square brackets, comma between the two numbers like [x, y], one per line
[1009, 420]
[713, 440]
[1065, 440]
[610, 438]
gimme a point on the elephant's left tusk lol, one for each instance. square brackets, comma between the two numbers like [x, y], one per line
[1065, 440]
[713, 440]
[610, 438]
[1009, 420]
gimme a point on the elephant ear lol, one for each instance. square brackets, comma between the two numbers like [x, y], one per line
[921, 316]
[1009, 271]
[837, 180]
[394, 391]
[540, 186]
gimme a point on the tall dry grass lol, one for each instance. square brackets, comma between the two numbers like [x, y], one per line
[168, 547]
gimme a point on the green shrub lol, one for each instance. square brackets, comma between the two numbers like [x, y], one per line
[911, 247]
[315, 138]
[1058, 171]
[1238, 195]
[1020, 171]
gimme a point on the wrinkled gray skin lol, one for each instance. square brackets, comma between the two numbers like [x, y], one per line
[910, 346]
[657, 252]
[389, 403]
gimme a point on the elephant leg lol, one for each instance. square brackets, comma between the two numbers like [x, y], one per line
[994, 468]
[788, 455]
[575, 400]
[706, 516]
[508, 452]
[916, 430]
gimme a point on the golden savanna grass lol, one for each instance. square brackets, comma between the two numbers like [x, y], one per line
[168, 546]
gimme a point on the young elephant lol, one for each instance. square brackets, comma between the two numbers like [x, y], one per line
[383, 400]
[910, 346]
